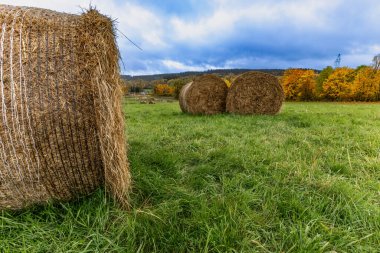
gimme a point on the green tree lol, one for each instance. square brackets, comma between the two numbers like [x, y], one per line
[322, 77]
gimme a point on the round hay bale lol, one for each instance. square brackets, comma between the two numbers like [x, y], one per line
[255, 93]
[182, 100]
[205, 95]
[61, 123]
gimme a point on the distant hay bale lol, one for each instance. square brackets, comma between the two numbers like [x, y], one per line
[61, 123]
[255, 93]
[205, 95]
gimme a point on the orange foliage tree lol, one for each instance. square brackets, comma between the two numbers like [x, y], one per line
[377, 84]
[339, 84]
[299, 84]
[228, 82]
[163, 90]
[229, 79]
[361, 84]
[366, 86]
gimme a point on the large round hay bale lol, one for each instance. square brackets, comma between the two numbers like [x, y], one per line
[205, 95]
[255, 93]
[182, 100]
[61, 123]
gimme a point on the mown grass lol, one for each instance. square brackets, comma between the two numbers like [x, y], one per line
[307, 180]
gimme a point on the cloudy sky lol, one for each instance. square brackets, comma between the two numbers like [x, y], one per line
[183, 35]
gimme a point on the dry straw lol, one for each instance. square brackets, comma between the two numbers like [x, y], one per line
[61, 123]
[205, 95]
[255, 93]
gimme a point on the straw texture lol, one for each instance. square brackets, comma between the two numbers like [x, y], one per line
[255, 93]
[205, 95]
[61, 123]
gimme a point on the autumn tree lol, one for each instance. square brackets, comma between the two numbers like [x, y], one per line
[339, 84]
[290, 82]
[366, 86]
[155, 82]
[178, 83]
[377, 84]
[299, 84]
[228, 79]
[228, 82]
[164, 90]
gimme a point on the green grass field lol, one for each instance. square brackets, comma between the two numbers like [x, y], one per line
[307, 180]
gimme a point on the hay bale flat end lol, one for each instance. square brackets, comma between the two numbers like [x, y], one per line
[255, 93]
[205, 95]
[61, 123]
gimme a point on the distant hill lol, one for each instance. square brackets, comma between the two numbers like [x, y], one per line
[276, 72]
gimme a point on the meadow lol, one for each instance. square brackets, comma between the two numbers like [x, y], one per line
[306, 180]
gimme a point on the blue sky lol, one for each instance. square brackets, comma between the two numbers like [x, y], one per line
[190, 35]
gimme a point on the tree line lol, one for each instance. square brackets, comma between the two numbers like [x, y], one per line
[340, 84]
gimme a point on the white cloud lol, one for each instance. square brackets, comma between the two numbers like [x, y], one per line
[360, 55]
[182, 67]
[138, 23]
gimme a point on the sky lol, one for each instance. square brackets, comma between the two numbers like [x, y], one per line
[196, 35]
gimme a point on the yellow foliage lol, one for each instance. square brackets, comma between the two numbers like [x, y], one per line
[377, 85]
[366, 86]
[228, 82]
[299, 84]
[164, 90]
[339, 84]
